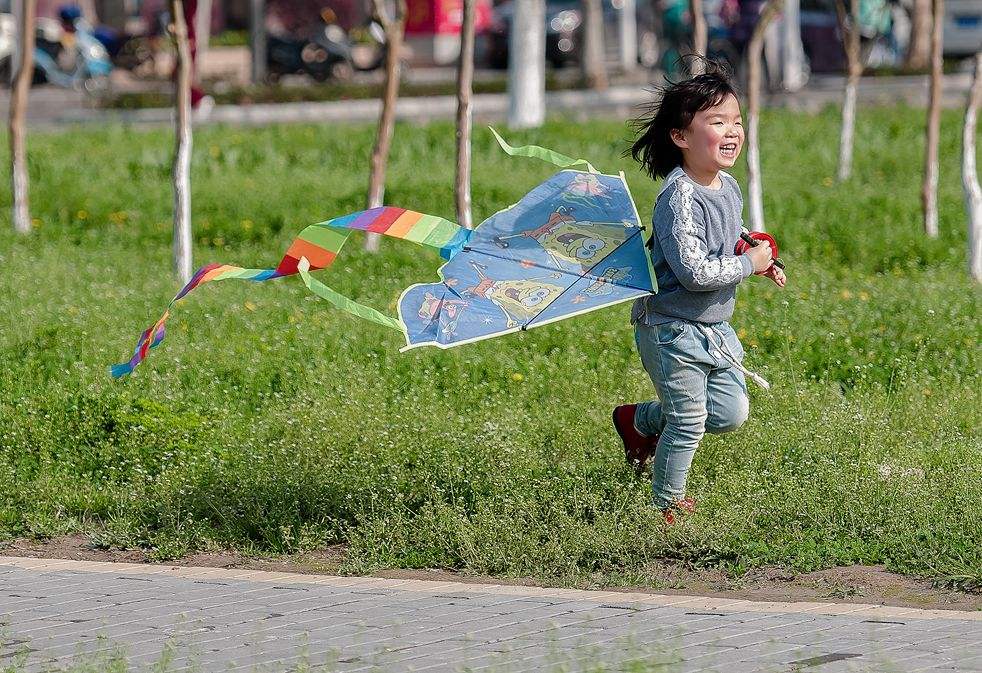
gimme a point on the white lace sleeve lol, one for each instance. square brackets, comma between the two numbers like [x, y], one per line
[691, 262]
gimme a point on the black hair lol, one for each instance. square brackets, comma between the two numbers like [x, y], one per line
[673, 109]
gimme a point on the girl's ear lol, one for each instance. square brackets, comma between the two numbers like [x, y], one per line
[678, 137]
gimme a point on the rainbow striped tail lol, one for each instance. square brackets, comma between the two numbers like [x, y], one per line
[319, 244]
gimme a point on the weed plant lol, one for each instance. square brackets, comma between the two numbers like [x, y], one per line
[269, 422]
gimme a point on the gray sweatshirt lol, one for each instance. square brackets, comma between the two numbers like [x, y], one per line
[695, 232]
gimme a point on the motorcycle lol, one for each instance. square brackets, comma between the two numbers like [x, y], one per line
[69, 55]
[327, 52]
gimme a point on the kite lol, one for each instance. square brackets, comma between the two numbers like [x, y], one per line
[573, 244]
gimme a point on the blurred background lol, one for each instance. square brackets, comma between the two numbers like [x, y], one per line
[117, 54]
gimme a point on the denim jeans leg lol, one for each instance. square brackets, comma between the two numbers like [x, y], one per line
[727, 400]
[648, 418]
[677, 361]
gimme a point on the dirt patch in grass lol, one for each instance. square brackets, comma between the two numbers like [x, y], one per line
[848, 584]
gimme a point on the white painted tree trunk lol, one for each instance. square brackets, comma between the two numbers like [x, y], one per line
[257, 39]
[526, 65]
[849, 28]
[970, 176]
[465, 78]
[795, 73]
[754, 49]
[182, 155]
[929, 190]
[18, 112]
[394, 31]
[628, 28]
[848, 128]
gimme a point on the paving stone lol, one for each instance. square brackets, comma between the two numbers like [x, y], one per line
[214, 619]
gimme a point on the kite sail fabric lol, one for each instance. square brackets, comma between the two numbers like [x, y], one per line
[316, 247]
[572, 245]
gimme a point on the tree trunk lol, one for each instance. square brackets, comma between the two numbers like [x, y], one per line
[627, 25]
[465, 77]
[18, 111]
[202, 31]
[113, 13]
[772, 53]
[754, 49]
[394, 29]
[526, 65]
[848, 126]
[257, 39]
[88, 11]
[970, 176]
[594, 67]
[929, 190]
[795, 73]
[849, 28]
[919, 49]
[700, 35]
[182, 154]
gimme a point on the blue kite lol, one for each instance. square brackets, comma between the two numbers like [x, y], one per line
[573, 244]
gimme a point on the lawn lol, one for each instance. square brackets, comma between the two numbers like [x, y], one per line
[270, 422]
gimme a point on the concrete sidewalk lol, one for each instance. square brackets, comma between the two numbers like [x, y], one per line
[54, 613]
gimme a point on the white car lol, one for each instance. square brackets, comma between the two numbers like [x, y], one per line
[962, 27]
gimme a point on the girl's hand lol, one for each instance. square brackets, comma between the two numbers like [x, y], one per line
[776, 274]
[760, 257]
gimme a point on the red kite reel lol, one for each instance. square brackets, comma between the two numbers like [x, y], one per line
[752, 240]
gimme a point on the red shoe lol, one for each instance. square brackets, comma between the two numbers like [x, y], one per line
[686, 505]
[678, 508]
[638, 448]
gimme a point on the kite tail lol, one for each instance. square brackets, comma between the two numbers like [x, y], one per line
[316, 247]
[154, 334]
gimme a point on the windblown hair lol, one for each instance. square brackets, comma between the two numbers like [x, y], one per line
[673, 109]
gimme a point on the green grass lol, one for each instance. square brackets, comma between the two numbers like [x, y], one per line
[268, 422]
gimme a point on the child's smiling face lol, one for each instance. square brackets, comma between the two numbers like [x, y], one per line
[712, 142]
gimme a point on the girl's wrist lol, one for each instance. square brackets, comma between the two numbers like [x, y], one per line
[748, 265]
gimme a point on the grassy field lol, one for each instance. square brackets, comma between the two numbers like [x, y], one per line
[268, 422]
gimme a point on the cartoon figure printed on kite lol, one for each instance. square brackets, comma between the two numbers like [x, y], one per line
[430, 310]
[520, 300]
[584, 244]
[585, 189]
[604, 285]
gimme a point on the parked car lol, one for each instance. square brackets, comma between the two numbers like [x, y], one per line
[564, 19]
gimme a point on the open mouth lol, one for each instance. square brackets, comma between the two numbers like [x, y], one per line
[728, 150]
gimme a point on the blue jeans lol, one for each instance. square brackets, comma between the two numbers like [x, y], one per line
[699, 391]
